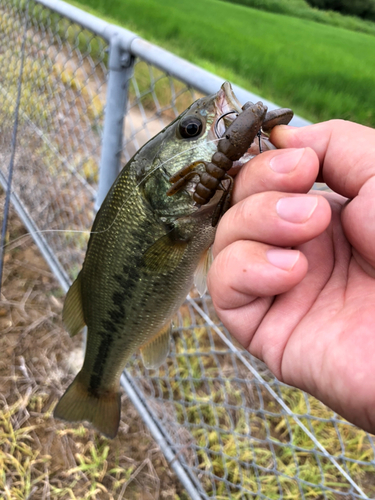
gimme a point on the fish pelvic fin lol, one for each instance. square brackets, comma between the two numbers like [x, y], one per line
[101, 410]
[155, 351]
[72, 314]
[200, 275]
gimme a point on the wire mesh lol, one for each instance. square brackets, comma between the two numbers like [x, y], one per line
[237, 431]
[60, 122]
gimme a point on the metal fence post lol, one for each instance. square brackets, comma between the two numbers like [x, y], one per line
[121, 65]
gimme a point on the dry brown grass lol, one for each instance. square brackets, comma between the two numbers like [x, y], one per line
[41, 458]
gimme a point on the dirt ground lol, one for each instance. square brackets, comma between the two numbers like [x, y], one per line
[41, 458]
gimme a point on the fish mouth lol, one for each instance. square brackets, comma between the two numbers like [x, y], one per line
[226, 103]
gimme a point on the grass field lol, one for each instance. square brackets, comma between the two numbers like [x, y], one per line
[303, 10]
[320, 71]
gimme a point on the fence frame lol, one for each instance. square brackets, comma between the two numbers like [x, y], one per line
[124, 47]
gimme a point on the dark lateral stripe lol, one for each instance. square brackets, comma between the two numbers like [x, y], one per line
[128, 284]
[118, 314]
[100, 361]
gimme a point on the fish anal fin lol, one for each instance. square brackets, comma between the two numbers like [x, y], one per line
[165, 254]
[155, 351]
[72, 314]
[200, 275]
[102, 411]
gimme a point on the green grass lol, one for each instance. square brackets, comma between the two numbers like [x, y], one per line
[301, 9]
[320, 71]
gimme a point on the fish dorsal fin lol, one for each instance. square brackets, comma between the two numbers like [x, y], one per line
[165, 254]
[155, 350]
[72, 314]
[200, 275]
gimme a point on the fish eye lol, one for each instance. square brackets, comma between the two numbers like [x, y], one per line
[190, 127]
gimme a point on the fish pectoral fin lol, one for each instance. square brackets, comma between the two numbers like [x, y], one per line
[200, 275]
[165, 254]
[72, 314]
[155, 351]
[102, 410]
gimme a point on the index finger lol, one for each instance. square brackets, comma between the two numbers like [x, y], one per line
[346, 151]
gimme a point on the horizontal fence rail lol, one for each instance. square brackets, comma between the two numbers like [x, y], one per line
[92, 94]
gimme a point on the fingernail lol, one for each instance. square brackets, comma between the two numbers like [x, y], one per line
[296, 209]
[286, 162]
[283, 259]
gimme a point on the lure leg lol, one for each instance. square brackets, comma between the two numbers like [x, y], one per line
[178, 185]
[275, 117]
[185, 170]
[183, 176]
[224, 201]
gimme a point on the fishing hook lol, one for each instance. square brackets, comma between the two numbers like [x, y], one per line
[220, 118]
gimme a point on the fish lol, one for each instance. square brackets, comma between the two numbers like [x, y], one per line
[143, 252]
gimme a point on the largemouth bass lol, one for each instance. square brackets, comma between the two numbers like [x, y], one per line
[142, 254]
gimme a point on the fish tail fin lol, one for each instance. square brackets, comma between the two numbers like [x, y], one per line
[101, 410]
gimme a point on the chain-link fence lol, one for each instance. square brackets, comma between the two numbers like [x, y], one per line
[226, 425]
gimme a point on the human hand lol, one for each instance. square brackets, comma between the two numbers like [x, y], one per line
[308, 311]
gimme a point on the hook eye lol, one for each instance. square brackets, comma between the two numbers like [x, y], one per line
[216, 128]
